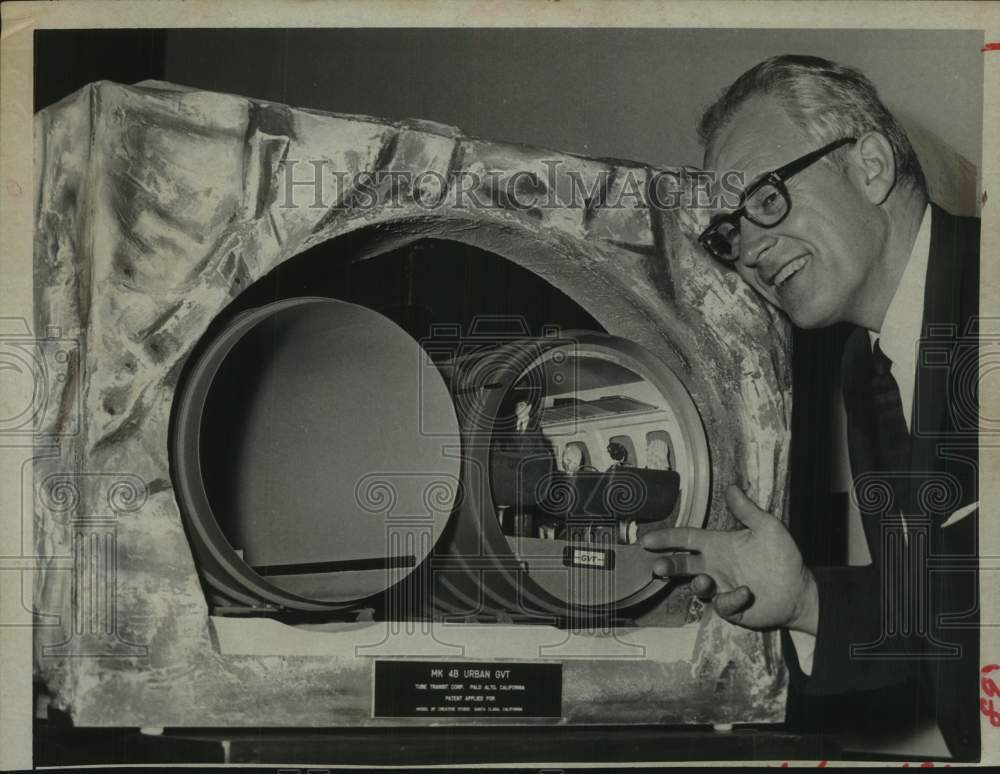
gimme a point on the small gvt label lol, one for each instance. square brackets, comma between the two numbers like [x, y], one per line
[413, 689]
[574, 556]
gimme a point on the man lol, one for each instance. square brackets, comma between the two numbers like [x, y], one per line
[834, 225]
[521, 462]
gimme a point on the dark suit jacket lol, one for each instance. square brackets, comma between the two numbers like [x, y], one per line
[866, 643]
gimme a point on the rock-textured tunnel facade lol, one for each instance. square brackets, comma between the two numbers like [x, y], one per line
[157, 205]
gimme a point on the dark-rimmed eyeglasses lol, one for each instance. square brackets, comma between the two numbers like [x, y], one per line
[765, 202]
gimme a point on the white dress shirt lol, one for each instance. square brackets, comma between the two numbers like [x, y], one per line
[900, 334]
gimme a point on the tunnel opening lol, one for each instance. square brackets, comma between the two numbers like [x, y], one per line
[300, 391]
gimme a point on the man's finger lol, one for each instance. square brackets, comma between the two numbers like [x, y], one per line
[679, 565]
[677, 538]
[744, 509]
[704, 587]
[732, 604]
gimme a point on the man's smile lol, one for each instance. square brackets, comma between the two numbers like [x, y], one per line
[786, 271]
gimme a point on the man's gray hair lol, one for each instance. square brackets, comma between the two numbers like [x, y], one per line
[827, 100]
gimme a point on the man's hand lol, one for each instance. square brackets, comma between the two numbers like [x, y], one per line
[755, 577]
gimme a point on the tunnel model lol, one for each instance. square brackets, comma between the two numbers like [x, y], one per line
[569, 447]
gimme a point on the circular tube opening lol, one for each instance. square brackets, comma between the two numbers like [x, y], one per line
[587, 441]
[329, 492]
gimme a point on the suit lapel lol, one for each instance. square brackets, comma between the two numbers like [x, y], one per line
[948, 306]
[936, 346]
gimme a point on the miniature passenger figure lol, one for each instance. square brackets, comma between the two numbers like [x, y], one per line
[572, 460]
[618, 453]
[527, 438]
[523, 413]
[658, 454]
[522, 462]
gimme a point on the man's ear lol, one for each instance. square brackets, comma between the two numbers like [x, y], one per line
[875, 166]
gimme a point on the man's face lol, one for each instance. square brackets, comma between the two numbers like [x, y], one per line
[815, 264]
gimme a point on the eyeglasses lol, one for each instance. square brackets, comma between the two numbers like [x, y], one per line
[765, 202]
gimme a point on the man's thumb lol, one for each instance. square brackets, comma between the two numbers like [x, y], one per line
[733, 604]
[744, 509]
